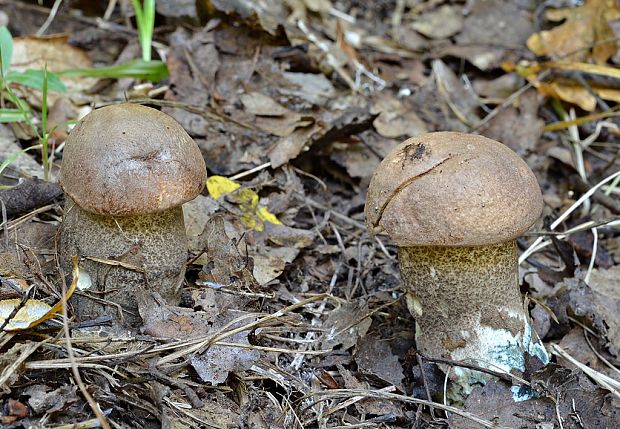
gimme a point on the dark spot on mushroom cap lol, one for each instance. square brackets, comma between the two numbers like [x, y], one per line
[433, 195]
[412, 152]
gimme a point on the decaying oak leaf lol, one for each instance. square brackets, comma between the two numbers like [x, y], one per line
[584, 34]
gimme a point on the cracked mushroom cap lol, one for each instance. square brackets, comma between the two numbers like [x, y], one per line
[452, 189]
[128, 159]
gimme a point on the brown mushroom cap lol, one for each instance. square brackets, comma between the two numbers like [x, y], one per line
[452, 189]
[128, 159]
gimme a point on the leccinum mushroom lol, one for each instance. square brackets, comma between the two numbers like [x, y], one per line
[126, 170]
[454, 204]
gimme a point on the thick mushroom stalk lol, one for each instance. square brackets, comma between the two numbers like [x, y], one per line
[126, 171]
[454, 204]
[483, 321]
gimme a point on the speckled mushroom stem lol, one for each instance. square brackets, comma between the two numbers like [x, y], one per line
[155, 243]
[467, 305]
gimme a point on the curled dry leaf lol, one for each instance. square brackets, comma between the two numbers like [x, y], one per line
[601, 80]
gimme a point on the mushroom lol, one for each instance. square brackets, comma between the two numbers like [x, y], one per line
[454, 205]
[126, 170]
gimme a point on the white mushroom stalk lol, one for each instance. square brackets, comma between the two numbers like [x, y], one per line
[454, 204]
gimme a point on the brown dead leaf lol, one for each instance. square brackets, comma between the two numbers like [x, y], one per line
[289, 147]
[55, 53]
[493, 32]
[214, 364]
[575, 344]
[371, 406]
[585, 32]
[196, 214]
[311, 87]
[440, 23]
[282, 235]
[604, 284]
[395, 119]
[43, 401]
[225, 264]
[270, 262]
[12, 412]
[261, 105]
[497, 90]
[602, 81]
[517, 126]
[282, 126]
[361, 160]
[568, 393]
[166, 321]
[374, 358]
[346, 324]
[270, 13]
[183, 10]
[462, 102]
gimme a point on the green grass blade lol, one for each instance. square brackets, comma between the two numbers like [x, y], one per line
[6, 50]
[44, 135]
[12, 115]
[34, 79]
[153, 71]
[145, 20]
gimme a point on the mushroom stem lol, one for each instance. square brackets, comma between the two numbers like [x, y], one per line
[121, 254]
[467, 306]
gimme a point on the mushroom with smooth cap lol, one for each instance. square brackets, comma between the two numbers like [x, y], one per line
[126, 170]
[454, 204]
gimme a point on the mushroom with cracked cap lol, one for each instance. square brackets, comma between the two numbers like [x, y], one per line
[126, 170]
[454, 205]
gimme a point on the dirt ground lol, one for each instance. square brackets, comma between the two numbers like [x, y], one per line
[292, 315]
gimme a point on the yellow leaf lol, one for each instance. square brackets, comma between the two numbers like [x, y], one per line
[594, 70]
[246, 199]
[267, 216]
[34, 311]
[564, 87]
[575, 94]
[218, 186]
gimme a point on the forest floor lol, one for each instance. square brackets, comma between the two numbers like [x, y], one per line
[292, 315]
